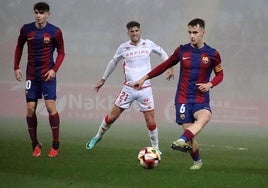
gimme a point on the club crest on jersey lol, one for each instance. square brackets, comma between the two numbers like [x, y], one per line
[182, 116]
[46, 40]
[205, 60]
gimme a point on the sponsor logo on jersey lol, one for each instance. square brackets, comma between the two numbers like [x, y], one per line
[136, 53]
[185, 58]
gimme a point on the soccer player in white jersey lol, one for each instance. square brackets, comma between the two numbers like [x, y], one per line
[135, 56]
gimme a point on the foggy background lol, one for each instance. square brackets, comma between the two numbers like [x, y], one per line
[93, 30]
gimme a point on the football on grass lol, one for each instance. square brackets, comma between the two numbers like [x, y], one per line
[149, 157]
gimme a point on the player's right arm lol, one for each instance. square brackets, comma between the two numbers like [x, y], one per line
[18, 74]
[171, 61]
[18, 53]
[99, 84]
[109, 69]
[158, 50]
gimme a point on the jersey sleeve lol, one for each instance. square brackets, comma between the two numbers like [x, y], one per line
[59, 44]
[158, 50]
[19, 48]
[171, 61]
[113, 63]
[218, 69]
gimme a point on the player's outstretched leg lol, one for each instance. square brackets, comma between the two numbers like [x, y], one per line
[105, 125]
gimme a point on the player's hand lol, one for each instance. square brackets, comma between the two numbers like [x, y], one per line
[18, 74]
[50, 75]
[138, 84]
[204, 87]
[99, 85]
[170, 73]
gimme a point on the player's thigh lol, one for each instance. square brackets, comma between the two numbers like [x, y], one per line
[203, 116]
[33, 91]
[202, 112]
[145, 99]
[49, 89]
[125, 98]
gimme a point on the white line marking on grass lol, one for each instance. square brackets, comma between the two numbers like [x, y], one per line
[211, 146]
[235, 148]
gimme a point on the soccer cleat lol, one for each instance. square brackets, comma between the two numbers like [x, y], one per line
[197, 165]
[53, 152]
[181, 146]
[160, 153]
[92, 142]
[37, 150]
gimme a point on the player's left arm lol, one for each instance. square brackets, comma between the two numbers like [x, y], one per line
[59, 43]
[218, 70]
[60, 50]
[170, 71]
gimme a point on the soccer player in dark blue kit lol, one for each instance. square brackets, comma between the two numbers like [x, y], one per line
[42, 40]
[197, 62]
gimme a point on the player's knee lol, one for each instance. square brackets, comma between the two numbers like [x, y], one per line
[51, 107]
[207, 119]
[151, 127]
[110, 119]
[30, 111]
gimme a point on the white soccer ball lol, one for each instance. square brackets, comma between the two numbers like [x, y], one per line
[149, 157]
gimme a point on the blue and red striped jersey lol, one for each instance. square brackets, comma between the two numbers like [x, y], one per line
[196, 66]
[41, 47]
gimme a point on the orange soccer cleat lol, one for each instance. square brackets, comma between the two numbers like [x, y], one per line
[53, 152]
[37, 150]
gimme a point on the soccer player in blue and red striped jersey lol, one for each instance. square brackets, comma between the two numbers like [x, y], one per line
[193, 111]
[42, 40]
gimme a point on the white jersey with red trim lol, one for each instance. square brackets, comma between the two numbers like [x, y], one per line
[136, 60]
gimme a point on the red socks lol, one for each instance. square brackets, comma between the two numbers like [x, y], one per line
[54, 121]
[32, 127]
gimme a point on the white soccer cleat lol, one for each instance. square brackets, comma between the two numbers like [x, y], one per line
[197, 165]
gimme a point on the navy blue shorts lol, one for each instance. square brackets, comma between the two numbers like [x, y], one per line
[35, 90]
[185, 112]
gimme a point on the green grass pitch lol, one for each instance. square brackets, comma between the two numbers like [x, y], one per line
[233, 156]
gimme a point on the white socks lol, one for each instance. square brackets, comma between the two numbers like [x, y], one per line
[154, 137]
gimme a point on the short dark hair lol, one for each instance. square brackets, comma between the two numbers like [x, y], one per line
[41, 6]
[197, 21]
[133, 24]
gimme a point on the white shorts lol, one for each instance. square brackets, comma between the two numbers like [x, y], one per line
[144, 98]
